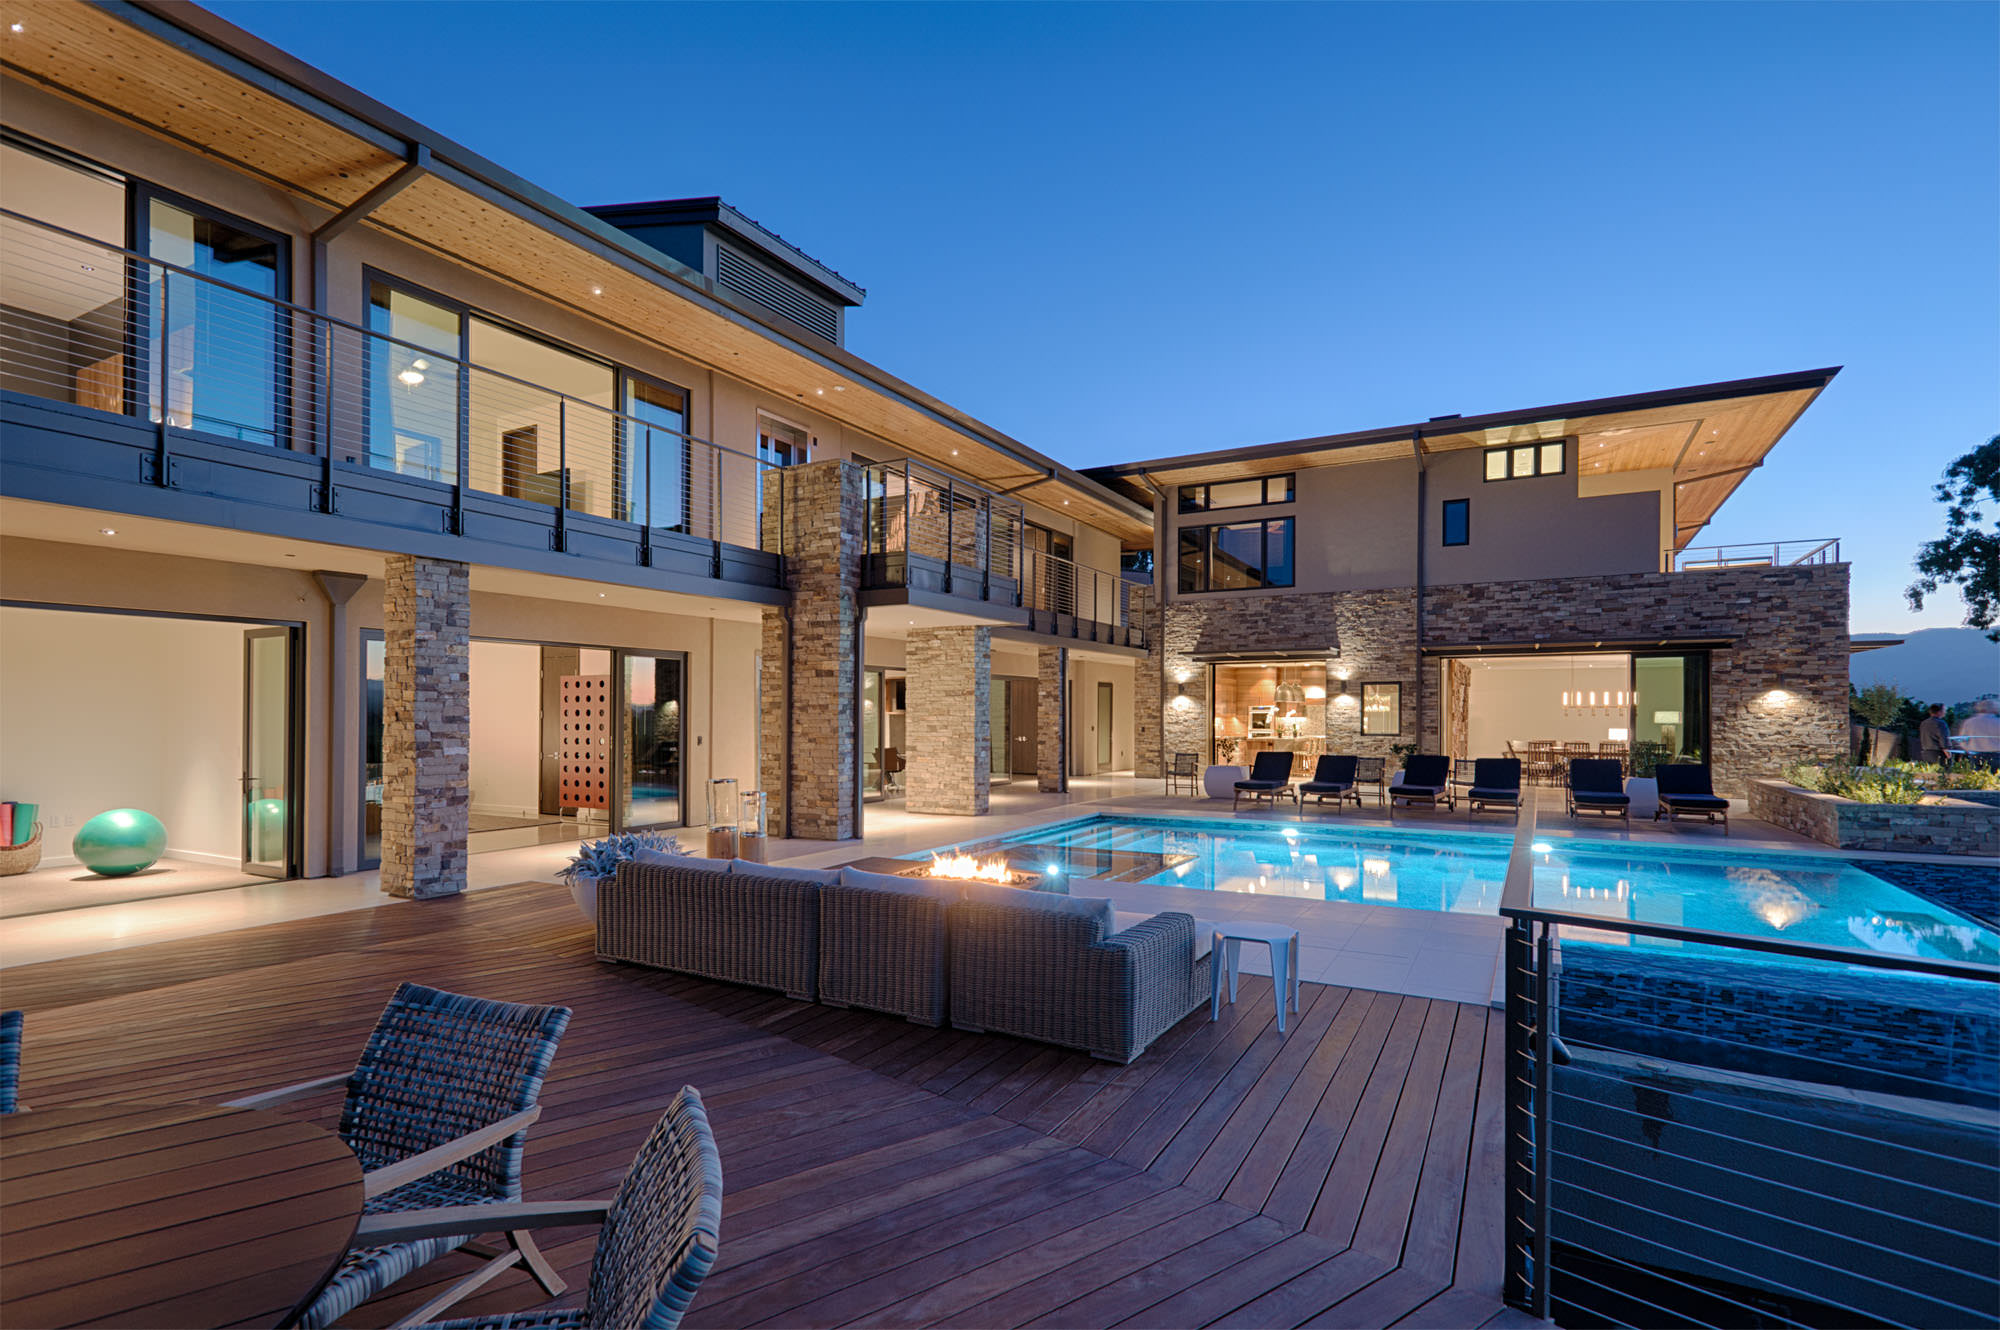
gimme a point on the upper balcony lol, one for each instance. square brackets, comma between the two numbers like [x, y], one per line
[140, 386]
[1776, 554]
[934, 538]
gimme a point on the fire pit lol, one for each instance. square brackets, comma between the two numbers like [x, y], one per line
[965, 868]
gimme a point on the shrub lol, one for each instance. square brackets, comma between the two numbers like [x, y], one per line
[1865, 785]
[600, 858]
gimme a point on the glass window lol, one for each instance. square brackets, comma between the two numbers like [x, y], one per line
[222, 346]
[1381, 708]
[412, 395]
[1194, 558]
[1278, 552]
[1258, 708]
[374, 664]
[650, 782]
[1496, 464]
[1456, 520]
[1552, 459]
[62, 321]
[1524, 460]
[1238, 559]
[654, 459]
[1278, 489]
[539, 421]
[1236, 494]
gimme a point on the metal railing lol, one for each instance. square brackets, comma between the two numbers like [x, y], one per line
[94, 325]
[1697, 1136]
[1776, 554]
[1070, 599]
[928, 529]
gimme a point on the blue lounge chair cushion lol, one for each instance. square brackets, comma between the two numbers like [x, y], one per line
[1261, 784]
[1604, 797]
[1494, 796]
[1327, 786]
[1417, 789]
[1715, 801]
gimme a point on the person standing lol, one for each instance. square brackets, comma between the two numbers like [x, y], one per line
[1980, 732]
[1933, 736]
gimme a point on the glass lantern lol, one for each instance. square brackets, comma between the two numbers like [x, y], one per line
[750, 827]
[723, 810]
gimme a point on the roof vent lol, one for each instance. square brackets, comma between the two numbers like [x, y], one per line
[1456, 415]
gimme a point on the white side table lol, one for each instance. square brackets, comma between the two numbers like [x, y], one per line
[1228, 952]
[1219, 782]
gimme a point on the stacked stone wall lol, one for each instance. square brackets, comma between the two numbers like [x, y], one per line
[949, 720]
[1051, 719]
[426, 726]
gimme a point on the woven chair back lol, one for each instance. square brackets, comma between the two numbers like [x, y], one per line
[659, 1239]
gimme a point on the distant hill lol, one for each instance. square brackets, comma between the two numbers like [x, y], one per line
[1933, 664]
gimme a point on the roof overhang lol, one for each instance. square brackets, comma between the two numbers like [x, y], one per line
[1708, 437]
[178, 72]
[1570, 647]
[1857, 645]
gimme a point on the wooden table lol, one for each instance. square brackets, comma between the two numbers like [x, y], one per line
[173, 1216]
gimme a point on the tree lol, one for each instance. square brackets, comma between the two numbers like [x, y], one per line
[1968, 554]
[1877, 704]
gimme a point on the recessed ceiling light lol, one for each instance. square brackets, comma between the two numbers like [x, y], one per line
[819, 392]
[15, 27]
[1065, 503]
[838, 388]
[597, 290]
[954, 452]
[107, 531]
[600, 595]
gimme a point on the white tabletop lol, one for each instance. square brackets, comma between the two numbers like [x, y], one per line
[1250, 930]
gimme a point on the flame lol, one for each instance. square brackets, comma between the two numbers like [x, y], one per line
[964, 866]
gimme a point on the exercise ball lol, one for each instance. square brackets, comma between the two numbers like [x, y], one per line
[122, 841]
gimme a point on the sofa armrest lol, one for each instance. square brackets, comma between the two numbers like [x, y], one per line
[1151, 970]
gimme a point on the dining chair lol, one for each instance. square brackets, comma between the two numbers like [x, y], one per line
[657, 1242]
[437, 1111]
[1184, 768]
[10, 1060]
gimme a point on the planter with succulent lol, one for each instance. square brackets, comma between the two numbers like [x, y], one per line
[598, 860]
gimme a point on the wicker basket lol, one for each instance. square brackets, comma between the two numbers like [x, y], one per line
[22, 858]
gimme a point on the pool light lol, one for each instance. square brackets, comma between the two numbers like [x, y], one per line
[1542, 847]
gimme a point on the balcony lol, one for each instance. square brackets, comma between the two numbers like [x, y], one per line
[1776, 554]
[936, 539]
[144, 387]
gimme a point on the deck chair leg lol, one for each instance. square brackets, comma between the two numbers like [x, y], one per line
[463, 1289]
[537, 1264]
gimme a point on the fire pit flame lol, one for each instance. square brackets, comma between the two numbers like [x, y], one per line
[964, 866]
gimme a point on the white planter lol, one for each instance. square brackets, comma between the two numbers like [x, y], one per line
[1644, 792]
[1219, 782]
[583, 890]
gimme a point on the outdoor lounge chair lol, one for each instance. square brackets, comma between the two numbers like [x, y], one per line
[1496, 783]
[658, 1240]
[1685, 791]
[1333, 778]
[1597, 785]
[1426, 780]
[1270, 778]
[437, 1111]
[10, 1060]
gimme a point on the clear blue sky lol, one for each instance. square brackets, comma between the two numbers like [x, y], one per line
[1120, 230]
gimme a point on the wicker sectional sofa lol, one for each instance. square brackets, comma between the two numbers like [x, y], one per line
[1060, 969]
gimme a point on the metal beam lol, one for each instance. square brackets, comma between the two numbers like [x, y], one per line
[416, 162]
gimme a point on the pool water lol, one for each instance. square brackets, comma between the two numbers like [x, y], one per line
[1814, 900]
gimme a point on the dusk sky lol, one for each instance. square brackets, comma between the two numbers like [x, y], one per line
[1120, 231]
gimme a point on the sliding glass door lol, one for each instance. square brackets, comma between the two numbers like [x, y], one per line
[1670, 706]
[650, 765]
[269, 687]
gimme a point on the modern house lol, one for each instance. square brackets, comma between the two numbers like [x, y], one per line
[360, 501]
[1474, 585]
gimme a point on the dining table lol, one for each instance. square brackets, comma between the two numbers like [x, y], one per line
[169, 1215]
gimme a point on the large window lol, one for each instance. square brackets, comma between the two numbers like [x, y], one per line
[654, 456]
[1236, 494]
[1381, 708]
[1264, 707]
[1524, 460]
[223, 348]
[1457, 521]
[1236, 556]
[413, 382]
[63, 317]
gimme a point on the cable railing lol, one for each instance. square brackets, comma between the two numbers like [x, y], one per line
[1067, 598]
[90, 324]
[1718, 1129]
[1773, 554]
[927, 529]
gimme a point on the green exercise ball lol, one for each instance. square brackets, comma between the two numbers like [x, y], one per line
[120, 842]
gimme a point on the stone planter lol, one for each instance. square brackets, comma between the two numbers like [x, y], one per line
[1644, 791]
[1946, 826]
[583, 891]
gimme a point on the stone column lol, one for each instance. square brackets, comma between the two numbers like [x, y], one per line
[426, 726]
[1052, 719]
[812, 652]
[1147, 702]
[949, 721]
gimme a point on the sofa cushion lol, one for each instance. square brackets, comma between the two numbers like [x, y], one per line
[1204, 932]
[1094, 908]
[818, 877]
[900, 886]
[661, 859]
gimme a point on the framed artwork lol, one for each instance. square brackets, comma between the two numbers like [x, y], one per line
[1381, 708]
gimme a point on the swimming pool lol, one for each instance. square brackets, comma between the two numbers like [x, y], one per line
[1814, 900]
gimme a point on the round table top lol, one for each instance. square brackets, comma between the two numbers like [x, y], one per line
[169, 1216]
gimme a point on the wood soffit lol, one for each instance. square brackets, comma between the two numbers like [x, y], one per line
[96, 59]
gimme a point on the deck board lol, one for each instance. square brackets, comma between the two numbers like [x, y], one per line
[878, 1173]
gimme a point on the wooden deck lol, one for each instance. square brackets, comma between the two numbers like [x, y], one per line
[878, 1173]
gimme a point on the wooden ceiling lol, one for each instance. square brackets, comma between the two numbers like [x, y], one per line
[1709, 446]
[93, 57]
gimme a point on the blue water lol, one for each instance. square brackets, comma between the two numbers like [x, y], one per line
[1813, 900]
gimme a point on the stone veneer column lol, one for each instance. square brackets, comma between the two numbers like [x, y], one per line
[948, 720]
[811, 658]
[1146, 700]
[1052, 719]
[426, 726]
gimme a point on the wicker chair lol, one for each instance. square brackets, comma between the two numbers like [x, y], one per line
[10, 1060]
[657, 1244]
[1184, 767]
[437, 1111]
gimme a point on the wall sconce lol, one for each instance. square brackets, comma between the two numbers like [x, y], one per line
[1778, 697]
[1182, 702]
[1346, 699]
[1342, 675]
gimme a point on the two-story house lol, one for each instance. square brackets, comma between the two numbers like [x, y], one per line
[1524, 583]
[360, 500]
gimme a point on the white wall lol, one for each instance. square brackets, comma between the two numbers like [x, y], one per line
[102, 711]
[1525, 702]
[505, 756]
